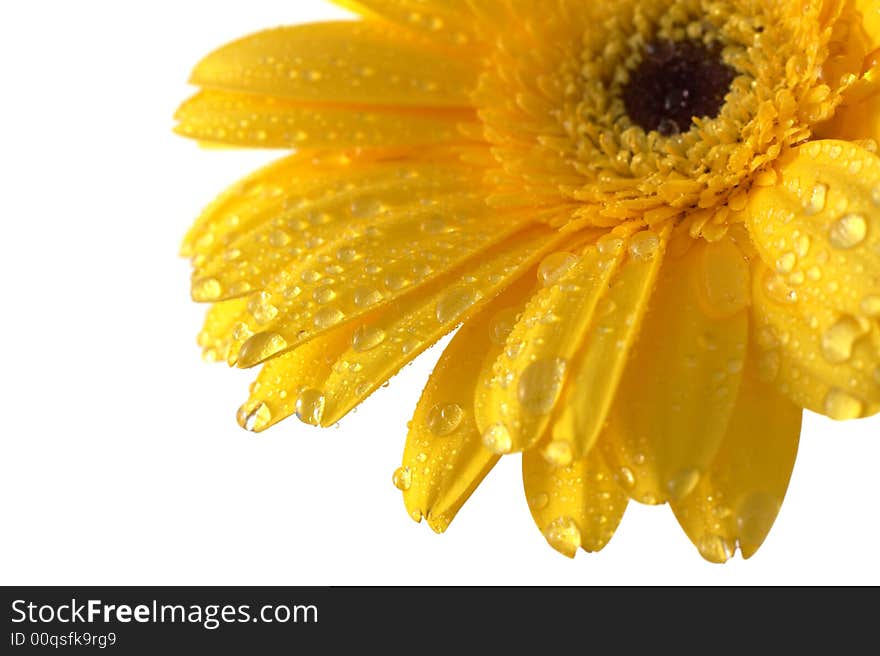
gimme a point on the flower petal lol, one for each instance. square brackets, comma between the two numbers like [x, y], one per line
[351, 62]
[820, 226]
[444, 459]
[350, 276]
[429, 312]
[363, 354]
[606, 348]
[449, 21]
[679, 387]
[575, 506]
[870, 18]
[822, 362]
[270, 122]
[516, 400]
[217, 330]
[737, 499]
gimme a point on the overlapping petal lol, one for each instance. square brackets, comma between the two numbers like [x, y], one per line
[678, 391]
[444, 459]
[736, 500]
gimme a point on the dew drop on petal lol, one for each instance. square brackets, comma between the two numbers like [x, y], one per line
[682, 483]
[837, 342]
[715, 548]
[626, 477]
[555, 266]
[502, 325]
[260, 347]
[840, 405]
[310, 406]
[540, 384]
[254, 416]
[454, 303]
[816, 201]
[367, 296]
[444, 418]
[367, 338]
[364, 208]
[206, 290]
[755, 515]
[402, 478]
[848, 231]
[564, 535]
[644, 245]
[327, 317]
[539, 501]
[558, 453]
[497, 439]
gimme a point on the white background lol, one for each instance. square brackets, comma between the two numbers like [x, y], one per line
[122, 461]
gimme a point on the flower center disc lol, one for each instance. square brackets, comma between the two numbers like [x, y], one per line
[674, 82]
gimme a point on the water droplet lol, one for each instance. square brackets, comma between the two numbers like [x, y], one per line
[327, 317]
[279, 238]
[558, 453]
[497, 439]
[539, 501]
[540, 383]
[715, 548]
[785, 262]
[555, 266]
[434, 225]
[644, 245]
[870, 306]
[816, 202]
[365, 208]
[682, 483]
[502, 325]
[778, 290]
[324, 295]
[310, 406]
[206, 290]
[837, 342]
[848, 231]
[609, 244]
[402, 478]
[564, 535]
[444, 418]
[346, 254]
[262, 309]
[802, 245]
[627, 478]
[260, 347]
[755, 515]
[769, 363]
[840, 405]
[254, 416]
[367, 338]
[367, 296]
[454, 303]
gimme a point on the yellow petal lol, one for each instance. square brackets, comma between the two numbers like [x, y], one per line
[737, 499]
[216, 335]
[271, 122]
[680, 384]
[521, 390]
[444, 459]
[420, 318]
[870, 19]
[819, 228]
[351, 213]
[448, 21]
[356, 358]
[821, 360]
[605, 351]
[575, 506]
[291, 383]
[353, 62]
[350, 277]
[286, 184]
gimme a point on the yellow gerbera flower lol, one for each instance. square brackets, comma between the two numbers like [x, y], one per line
[657, 223]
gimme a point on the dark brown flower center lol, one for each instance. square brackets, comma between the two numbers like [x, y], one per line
[676, 81]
